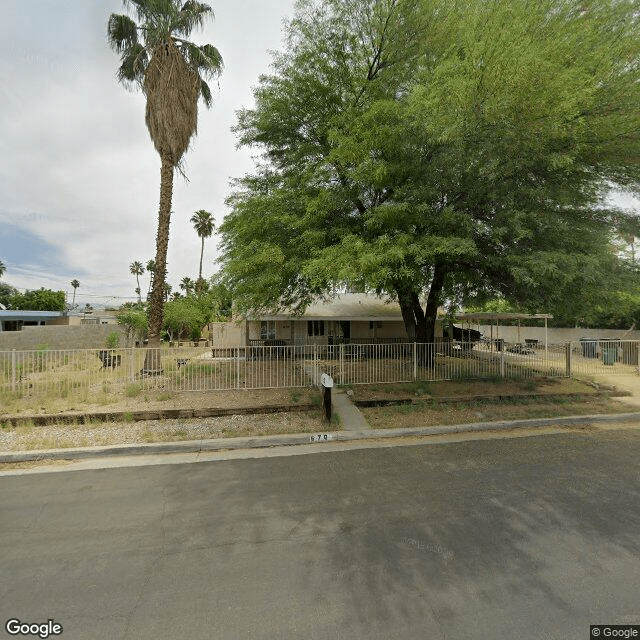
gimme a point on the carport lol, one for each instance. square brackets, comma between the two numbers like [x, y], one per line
[494, 318]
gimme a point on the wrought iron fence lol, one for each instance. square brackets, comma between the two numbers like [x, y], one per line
[92, 373]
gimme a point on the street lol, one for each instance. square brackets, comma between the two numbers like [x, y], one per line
[529, 538]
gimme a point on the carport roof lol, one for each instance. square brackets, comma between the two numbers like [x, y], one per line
[490, 315]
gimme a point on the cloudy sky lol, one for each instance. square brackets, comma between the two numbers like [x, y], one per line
[79, 176]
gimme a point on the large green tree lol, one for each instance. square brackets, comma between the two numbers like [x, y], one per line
[38, 300]
[157, 56]
[434, 150]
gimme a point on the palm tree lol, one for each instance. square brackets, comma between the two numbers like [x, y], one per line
[75, 284]
[203, 224]
[187, 285]
[137, 270]
[156, 56]
[2, 268]
[151, 267]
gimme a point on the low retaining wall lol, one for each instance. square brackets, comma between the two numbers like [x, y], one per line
[86, 336]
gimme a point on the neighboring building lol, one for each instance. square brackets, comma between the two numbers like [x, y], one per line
[15, 320]
[348, 318]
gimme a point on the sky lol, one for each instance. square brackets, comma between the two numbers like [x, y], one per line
[79, 176]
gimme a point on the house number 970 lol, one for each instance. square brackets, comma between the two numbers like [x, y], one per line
[320, 437]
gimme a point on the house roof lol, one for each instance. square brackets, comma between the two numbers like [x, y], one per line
[346, 306]
[28, 315]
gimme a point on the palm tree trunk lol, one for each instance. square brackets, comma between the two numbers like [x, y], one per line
[201, 253]
[156, 309]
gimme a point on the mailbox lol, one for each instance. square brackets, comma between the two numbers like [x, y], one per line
[326, 381]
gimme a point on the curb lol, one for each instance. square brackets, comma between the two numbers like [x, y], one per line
[197, 446]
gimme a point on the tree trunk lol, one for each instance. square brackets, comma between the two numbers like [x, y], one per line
[201, 254]
[152, 363]
[421, 325]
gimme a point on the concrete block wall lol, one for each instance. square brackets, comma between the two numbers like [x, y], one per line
[554, 336]
[60, 337]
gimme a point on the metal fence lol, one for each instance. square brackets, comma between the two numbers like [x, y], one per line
[88, 373]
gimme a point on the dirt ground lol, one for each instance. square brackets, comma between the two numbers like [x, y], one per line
[423, 412]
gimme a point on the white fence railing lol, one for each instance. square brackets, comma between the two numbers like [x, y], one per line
[89, 373]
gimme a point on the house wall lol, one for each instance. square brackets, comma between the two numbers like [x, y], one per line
[228, 334]
[59, 337]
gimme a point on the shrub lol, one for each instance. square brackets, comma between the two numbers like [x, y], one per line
[113, 340]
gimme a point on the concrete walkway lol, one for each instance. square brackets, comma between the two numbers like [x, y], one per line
[351, 418]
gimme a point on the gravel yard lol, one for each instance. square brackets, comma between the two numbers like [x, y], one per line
[23, 438]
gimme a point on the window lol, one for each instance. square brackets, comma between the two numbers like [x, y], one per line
[267, 330]
[315, 327]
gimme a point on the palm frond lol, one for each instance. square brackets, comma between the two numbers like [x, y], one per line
[204, 58]
[205, 92]
[192, 15]
[122, 32]
[133, 64]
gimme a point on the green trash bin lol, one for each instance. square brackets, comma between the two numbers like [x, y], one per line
[609, 353]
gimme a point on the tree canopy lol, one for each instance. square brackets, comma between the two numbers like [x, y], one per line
[435, 150]
[38, 300]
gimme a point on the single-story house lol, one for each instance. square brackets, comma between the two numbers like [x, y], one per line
[15, 320]
[347, 318]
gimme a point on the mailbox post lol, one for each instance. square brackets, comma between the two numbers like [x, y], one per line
[326, 382]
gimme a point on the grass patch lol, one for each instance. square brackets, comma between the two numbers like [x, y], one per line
[431, 414]
[133, 390]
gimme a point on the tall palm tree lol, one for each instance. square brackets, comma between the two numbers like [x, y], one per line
[151, 267]
[203, 224]
[2, 268]
[156, 56]
[137, 270]
[75, 284]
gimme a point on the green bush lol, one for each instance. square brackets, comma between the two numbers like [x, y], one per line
[113, 340]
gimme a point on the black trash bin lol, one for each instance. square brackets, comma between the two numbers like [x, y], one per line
[589, 347]
[499, 342]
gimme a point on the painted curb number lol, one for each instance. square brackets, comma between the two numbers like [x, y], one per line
[320, 437]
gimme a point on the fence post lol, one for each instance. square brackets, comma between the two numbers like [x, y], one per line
[342, 363]
[238, 367]
[13, 369]
[502, 363]
[315, 361]
[567, 349]
[415, 361]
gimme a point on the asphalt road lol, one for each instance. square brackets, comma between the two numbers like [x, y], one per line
[492, 539]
